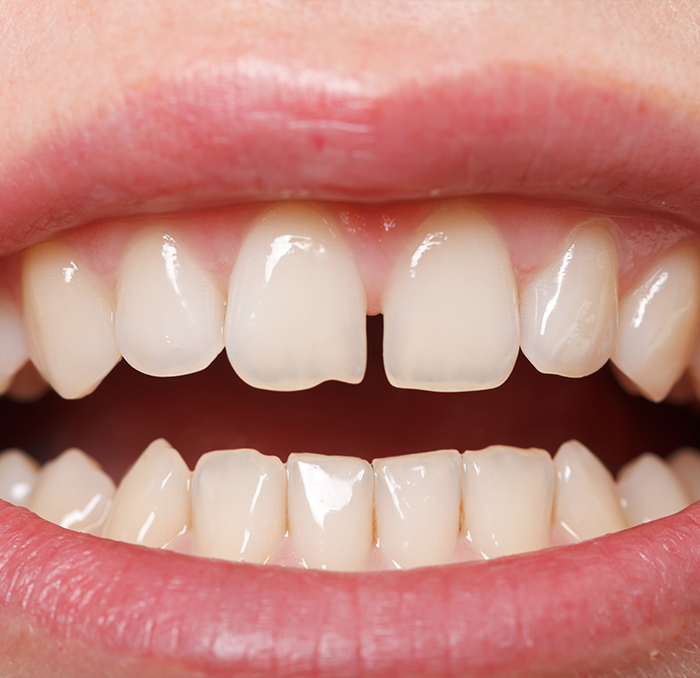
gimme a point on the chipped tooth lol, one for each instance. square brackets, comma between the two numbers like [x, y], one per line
[658, 323]
[239, 505]
[152, 505]
[73, 492]
[18, 473]
[685, 463]
[649, 489]
[69, 319]
[586, 503]
[417, 500]
[170, 310]
[330, 507]
[296, 308]
[507, 499]
[451, 307]
[569, 311]
[13, 343]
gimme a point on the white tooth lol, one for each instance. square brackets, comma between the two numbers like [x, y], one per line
[330, 502]
[69, 319]
[73, 491]
[416, 500]
[649, 489]
[685, 462]
[569, 311]
[170, 310]
[586, 503]
[18, 472]
[297, 308]
[239, 505]
[507, 499]
[451, 307]
[658, 323]
[13, 343]
[152, 504]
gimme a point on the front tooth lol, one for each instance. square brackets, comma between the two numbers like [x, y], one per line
[152, 505]
[686, 464]
[569, 311]
[507, 499]
[330, 502]
[239, 505]
[69, 319]
[170, 311]
[586, 503]
[451, 307]
[417, 500]
[13, 343]
[296, 307]
[18, 473]
[658, 323]
[649, 489]
[73, 491]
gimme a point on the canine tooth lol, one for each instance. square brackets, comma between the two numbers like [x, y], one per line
[170, 311]
[73, 492]
[451, 307]
[330, 502]
[69, 319]
[416, 500]
[586, 503]
[296, 308]
[649, 489]
[686, 464]
[152, 504]
[569, 311]
[658, 323]
[18, 472]
[13, 343]
[507, 499]
[239, 505]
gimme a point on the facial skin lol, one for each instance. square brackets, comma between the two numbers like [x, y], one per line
[95, 100]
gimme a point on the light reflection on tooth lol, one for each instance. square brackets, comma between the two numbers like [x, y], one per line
[170, 311]
[417, 500]
[73, 492]
[13, 343]
[507, 499]
[239, 505]
[685, 462]
[450, 309]
[18, 473]
[69, 318]
[569, 311]
[658, 323]
[296, 307]
[152, 505]
[586, 503]
[649, 489]
[330, 500]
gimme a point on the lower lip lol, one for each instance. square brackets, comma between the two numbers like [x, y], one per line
[599, 605]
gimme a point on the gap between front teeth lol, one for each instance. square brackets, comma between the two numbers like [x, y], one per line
[340, 513]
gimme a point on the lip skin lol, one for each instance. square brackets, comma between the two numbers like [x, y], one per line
[240, 126]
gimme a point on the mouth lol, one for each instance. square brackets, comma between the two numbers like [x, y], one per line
[364, 374]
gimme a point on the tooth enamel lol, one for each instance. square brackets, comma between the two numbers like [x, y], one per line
[330, 502]
[152, 505]
[73, 492]
[685, 463]
[296, 306]
[18, 473]
[569, 311]
[507, 499]
[658, 323]
[170, 311]
[239, 505]
[649, 489]
[69, 320]
[586, 503]
[416, 508]
[451, 307]
[13, 343]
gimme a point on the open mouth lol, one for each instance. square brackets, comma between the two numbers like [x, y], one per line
[333, 377]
